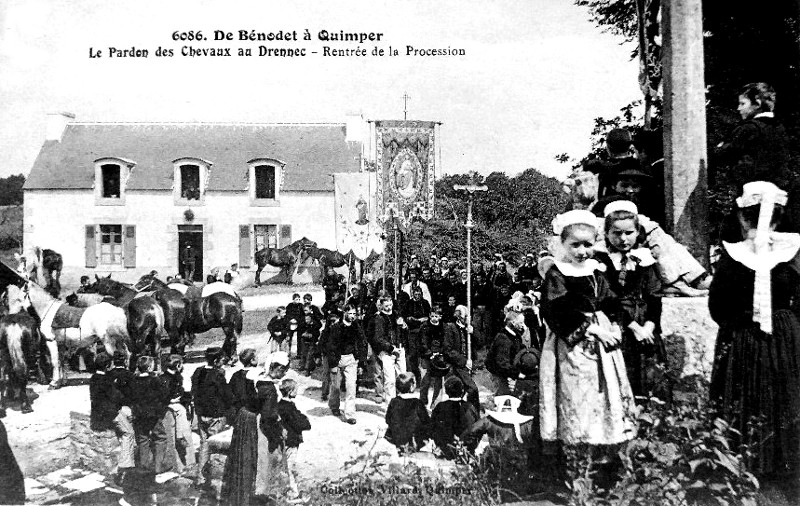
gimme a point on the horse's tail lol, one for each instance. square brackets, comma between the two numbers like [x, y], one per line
[15, 335]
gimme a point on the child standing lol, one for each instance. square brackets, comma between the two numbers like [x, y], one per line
[295, 423]
[632, 276]
[451, 417]
[407, 417]
[754, 299]
[586, 399]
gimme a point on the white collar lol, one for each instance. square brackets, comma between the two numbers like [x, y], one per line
[636, 256]
[586, 269]
[767, 114]
[510, 331]
[410, 395]
[782, 248]
[102, 373]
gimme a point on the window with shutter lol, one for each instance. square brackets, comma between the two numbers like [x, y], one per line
[244, 246]
[129, 246]
[91, 246]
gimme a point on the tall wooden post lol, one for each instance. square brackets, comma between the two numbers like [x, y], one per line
[685, 161]
[470, 189]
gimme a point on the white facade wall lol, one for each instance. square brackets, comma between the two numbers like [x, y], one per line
[57, 219]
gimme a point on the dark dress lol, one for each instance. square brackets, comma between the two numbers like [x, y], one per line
[12, 483]
[239, 477]
[756, 374]
[637, 294]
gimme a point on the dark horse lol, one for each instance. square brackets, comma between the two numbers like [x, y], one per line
[19, 351]
[285, 258]
[145, 318]
[325, 257]
[174, 306]
[218, 310]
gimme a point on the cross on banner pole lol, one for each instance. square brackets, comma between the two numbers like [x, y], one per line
[406, 98]
[470, 189]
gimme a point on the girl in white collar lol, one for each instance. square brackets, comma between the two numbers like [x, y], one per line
[754, 298]
[586, 399]
[632, 276]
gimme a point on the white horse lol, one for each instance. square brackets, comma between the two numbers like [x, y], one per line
[68, 329]
[43, 266]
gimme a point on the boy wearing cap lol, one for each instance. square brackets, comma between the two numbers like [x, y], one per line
[278, 328]
[213, 401]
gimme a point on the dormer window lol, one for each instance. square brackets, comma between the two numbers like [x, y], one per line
[191, 180]
[111, 176]
[111, 181]
[265, 181]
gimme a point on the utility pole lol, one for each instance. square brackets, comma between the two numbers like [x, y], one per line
[470, 189]
[685, 159]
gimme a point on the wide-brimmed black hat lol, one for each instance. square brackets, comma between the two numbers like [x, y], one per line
[527, 362]
[629, 168]
[439, 366]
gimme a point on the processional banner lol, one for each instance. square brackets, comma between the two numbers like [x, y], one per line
[357, 227]
[406, 170]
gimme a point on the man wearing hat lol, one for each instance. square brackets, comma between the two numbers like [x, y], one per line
[213, 401]
[188, 261]
[527, 275]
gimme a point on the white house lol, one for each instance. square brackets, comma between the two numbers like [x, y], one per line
[127, 197]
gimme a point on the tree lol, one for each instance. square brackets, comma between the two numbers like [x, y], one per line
[11, 190]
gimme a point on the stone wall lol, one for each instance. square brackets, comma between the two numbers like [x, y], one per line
[97, 451]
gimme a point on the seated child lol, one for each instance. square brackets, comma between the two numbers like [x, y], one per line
[452, 417]
[407, 418]
[295, 423]
[505, 427]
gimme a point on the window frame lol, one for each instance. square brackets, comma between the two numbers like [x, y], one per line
[113, 245]
[278, 167]
[125, 169]
[204, 170]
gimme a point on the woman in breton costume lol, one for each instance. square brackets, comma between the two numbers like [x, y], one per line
[755, 297]
[586, 399]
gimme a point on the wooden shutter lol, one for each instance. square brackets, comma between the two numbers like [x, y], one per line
[91, 247]
[244, 246]
[285, 238]
[129, 246]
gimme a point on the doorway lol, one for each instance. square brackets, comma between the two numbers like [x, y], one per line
[191, 235]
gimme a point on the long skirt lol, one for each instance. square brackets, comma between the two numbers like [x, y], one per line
[239, 478]
[756, 377]
[585, 393]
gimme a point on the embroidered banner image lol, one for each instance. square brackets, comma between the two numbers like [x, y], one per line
[406, 170]
[357, 226]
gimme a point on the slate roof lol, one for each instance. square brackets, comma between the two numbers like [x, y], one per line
[311, 152]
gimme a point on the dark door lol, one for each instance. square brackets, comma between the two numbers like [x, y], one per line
[191, 235]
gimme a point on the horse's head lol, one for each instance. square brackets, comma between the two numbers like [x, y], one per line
[148, 282]
[17, 299]
[108, 286]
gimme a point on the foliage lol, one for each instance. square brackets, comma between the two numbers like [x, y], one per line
[617, 16]
[11, 190]
[513, 217]
[10, 227]
[372, 480]
[742, 44]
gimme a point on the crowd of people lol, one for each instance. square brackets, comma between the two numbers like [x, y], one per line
[571, 340]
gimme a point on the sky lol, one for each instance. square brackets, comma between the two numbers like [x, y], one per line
[534, 75]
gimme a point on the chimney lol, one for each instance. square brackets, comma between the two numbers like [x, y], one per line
[355, 128]
[56, 124]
